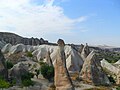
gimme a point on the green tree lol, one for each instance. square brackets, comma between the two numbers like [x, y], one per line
[26, 79]
[47, 71]
[4, 83]
[29, 54]
[118, 88]
[9, 64]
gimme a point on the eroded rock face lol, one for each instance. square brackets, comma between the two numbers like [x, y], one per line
[2, 44]
[92, 71]
[74, 61]
[111, 70]
[118, 62]
[3, 69]
[118, 78]
[85, 52]
[6, 48]
[17, 48]
[48, 59]
[62, 78]
[17, 71]
[109, 67]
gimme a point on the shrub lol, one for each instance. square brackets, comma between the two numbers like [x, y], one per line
[118, 88]
[27, 82]
[41, 63]
[9, 64]
[1, 77]
[13, 82]
[3, 83]
[29, 54]
[27, 76]
[47, 71]
[26, 79]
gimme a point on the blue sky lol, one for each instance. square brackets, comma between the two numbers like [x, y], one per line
[96, 22]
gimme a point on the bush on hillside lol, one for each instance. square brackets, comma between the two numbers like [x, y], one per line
[29, 54]
[9, 64]
[27, 82]
[118, 88]
[26, 79]
[27, 76]
[47, 71]
[3, 83]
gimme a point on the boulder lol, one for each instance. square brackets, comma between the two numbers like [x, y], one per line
[6, 48]
[62, 78]
[92, 71]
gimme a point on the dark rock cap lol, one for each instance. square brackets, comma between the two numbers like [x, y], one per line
[60, 42]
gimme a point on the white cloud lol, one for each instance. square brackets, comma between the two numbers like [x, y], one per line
[20, 16]
[82, 18]
[83, 30]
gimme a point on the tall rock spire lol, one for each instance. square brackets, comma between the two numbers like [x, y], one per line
[62, 77]
[85, 51]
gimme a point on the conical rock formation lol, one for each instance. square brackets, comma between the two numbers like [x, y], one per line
[85, 51]
[92, 71]
[62, 78]
[81, 48]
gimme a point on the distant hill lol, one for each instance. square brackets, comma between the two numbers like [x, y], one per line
[106, 48]
[16, 39]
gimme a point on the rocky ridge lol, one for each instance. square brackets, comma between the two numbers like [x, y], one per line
[16, 39]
